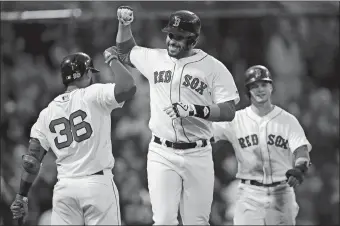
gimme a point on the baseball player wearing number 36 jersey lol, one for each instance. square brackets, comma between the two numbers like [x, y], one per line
[76, 127]
[272, 153]
[188, 90]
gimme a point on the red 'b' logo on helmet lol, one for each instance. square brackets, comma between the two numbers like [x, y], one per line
[257, 73]
[177, 20]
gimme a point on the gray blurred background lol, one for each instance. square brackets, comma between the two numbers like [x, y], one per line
[297, 41]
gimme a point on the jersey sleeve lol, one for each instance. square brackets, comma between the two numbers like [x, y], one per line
[39, 132]
[140, 58]
[297, 137]
[222, 131]
[224, 88]
[104, 96]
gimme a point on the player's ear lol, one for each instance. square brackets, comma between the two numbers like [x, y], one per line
[272, 87]
[194, 43]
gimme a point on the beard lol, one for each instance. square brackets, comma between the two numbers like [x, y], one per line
[177, 51]
[174, 51]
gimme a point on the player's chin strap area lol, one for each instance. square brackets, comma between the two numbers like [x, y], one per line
[183, 146]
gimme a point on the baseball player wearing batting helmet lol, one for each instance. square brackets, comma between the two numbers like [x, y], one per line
[188, 90]
[76, 127]
[272, 153]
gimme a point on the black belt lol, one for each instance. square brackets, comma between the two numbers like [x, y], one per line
[98, 173]
[256, 183]
[182, 146]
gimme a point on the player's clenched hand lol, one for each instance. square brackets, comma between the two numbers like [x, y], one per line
[125, 15]
[295, 177]
[19, 207]
[293, 182]
[110, 54]
[180, 110]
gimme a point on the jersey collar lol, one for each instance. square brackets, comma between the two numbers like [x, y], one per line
[276, 110]
[200, 54]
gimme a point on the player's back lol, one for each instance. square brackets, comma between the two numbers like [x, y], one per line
[77, 127]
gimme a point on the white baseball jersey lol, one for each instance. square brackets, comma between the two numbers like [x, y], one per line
[199, 79]
[77, 127]
[264, 146]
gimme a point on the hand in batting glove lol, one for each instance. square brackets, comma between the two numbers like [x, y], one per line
[180, 110]
[19, 207]
[125, 15]
[110, 54]
[295, 176]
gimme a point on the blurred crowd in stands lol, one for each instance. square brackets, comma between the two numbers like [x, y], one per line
[302, 53]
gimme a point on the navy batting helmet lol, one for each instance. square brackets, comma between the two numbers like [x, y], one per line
[184, 23]
[257, 73]
[75, 66]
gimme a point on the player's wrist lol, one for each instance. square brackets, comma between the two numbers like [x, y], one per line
[303, 167]
[200, 111]
[122, 24]
[21, 197]
[110, 59]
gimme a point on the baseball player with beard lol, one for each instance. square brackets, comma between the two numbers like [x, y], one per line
[76, 127]
[188, 90]
[272, 153]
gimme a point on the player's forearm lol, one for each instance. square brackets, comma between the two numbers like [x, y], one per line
[125, 84]
[301, 156]
[31, 165]
[27, 179]
[221, 112]
[125, 42]
[124, 33]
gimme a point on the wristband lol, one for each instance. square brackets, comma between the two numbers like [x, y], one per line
[303, 167]
[201, 111]
[24, 188]
[125, 47]
[21, 197]
[111, 58]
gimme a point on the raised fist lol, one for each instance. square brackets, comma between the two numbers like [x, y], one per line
[125, 15]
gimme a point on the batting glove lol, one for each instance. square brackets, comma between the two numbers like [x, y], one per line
[19, 207]
[125, 15]
[295, 176]
[180, 110]
[110, 54]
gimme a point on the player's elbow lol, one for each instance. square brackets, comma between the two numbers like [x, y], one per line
[125, 59]
[227, 117]
[227, 111]
[125, 94]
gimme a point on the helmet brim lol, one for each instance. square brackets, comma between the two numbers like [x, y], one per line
[253, 80]
[94, 69]
[177, 31]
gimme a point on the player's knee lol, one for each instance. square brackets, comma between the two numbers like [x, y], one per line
[165, 218]
[196, 220]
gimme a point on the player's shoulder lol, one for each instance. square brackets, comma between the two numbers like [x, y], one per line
[43, 115]
[96, 86]
[158, 53]
[284, 112]
[92, 92]
[287, 116]
[242, 112]
[150, 50]
[44, 112]
[214, 61]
